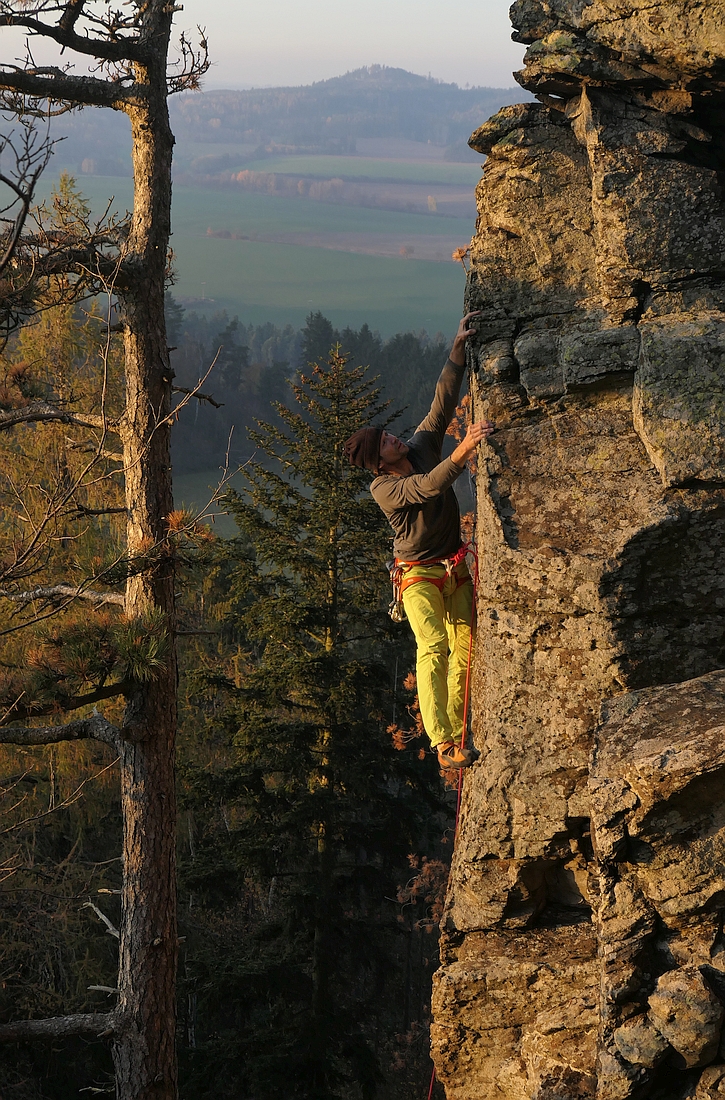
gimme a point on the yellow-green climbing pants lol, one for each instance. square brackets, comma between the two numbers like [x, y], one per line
[441, 622]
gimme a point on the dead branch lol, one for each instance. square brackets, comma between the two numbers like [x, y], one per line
[31, 159]
[124, 50]
[192, 64]
[88, 447]
[199, 396]
[60, 1027]
[70, 16]
[121, 41]
[67, 590]
[188, 394]
[95, 728]
[41, 411]
[81, 510]
[69, 800]
[110, 927]
[52, 84]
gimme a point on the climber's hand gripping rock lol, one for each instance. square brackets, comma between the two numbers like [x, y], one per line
[465, 329]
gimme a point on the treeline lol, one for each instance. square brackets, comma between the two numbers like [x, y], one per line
[252, 365]
[314, 831]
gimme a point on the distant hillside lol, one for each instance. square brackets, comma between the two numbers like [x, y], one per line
[375, 102]
[327, 117]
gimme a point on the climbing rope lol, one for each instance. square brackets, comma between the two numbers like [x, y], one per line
[467, 693]
[466, 697]
[432, 1083]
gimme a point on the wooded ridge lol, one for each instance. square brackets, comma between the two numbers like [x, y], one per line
[327, 117]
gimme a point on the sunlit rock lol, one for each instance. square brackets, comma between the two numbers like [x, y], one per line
[583, 953]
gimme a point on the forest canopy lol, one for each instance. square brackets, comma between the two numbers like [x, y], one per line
[253, 363]
[314, 833]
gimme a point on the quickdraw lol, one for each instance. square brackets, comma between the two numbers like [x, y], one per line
[396, 609]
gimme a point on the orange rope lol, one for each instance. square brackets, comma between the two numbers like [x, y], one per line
[467, 692]
[466, 697]
[432, 1083]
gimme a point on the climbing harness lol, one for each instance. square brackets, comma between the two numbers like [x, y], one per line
[400, 579]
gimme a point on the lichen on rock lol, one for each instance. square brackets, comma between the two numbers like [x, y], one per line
[582, 950]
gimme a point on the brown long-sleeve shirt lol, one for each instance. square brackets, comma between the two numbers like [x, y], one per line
[421, 507]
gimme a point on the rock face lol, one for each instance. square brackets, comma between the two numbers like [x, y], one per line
[583, 947]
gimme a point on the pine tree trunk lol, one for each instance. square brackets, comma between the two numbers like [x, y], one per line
[321, 1006]
[321, 944]
[144, 1053]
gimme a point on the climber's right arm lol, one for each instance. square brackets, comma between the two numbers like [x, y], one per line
[448, 386]
[393, 492]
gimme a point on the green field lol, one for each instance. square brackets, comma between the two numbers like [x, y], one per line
[283, 282]
[195, 209]
[365, 168]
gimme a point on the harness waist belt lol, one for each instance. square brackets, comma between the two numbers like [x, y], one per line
[450, 564]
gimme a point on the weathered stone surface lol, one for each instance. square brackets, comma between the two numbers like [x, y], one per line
[588, 357]
[640, 1043]
[679, 396]
[658, 828]
[711, 1084]
[583, 952]
[658, 216]
[687, 1014]
[551, 365]
[543, 1042]
[619, 42]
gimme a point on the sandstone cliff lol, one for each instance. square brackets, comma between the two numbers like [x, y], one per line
[583, 945]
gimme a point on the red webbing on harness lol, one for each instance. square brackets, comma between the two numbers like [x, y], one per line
[466, 697]
[455, 560]
[450, 564]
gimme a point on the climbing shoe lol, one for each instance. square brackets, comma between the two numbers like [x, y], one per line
[451, 756]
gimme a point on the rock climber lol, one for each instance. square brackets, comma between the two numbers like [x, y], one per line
[414, 488]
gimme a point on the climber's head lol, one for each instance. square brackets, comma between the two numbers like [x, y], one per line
[392, 450]
[363, 448]
[375, 450]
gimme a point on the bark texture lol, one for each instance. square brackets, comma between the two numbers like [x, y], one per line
[144, 1049]
[131, 45]
[583, 953]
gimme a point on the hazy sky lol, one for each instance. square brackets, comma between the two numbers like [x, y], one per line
[277, 42]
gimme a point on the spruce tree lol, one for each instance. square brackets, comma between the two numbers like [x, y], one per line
[318, 336]
[319, 811]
